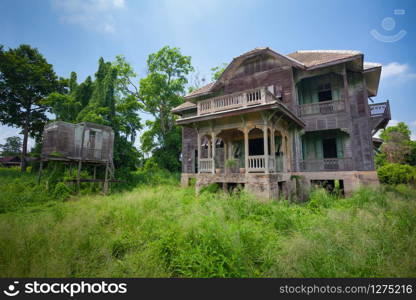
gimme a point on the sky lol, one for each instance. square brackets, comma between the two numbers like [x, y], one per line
[74, 34]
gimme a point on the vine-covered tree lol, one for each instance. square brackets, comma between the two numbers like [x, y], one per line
[26, 78]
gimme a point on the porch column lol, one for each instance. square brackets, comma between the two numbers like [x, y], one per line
[213, 151]
[246, 149]
[199, 153]
[266, 149]
[273, 148]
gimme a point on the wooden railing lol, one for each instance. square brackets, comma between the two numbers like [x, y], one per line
[205, 165]
[324, 107]
[380, 109]
[327, 164]
[257, 163]
[236, 100]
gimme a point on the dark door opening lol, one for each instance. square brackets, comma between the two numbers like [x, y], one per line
[196, 161]
[330, 148]
[256, 147]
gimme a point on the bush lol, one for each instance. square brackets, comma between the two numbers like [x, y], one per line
[396, 174]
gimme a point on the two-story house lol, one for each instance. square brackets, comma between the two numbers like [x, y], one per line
[271, 116]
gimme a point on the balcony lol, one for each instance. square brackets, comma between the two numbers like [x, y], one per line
[323, 107]
[236, 100]
[380, 114]
[327, 164]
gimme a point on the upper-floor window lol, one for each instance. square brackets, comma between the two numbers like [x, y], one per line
[253, 66]
[320, 88]
[324, 92]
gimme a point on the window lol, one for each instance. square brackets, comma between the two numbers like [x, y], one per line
[253, 67]
[324, 92]
[329, 148]
[219, 143]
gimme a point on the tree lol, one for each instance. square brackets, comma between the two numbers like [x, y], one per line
[12, 146]
[160, 91]
[396, 145]
[217, 71]
[25, 79]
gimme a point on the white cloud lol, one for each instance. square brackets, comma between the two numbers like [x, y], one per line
[396, 71]
[413, 123]
[95, 15]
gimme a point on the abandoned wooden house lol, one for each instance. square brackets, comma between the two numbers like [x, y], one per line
[83, 143]
[271, 116]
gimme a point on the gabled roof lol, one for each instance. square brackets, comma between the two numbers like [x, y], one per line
[184, 106]
[315, 58]
[201, 91]
[302, 59]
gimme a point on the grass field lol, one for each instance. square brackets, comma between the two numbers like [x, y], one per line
[165, 231]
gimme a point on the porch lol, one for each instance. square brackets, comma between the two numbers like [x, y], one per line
[257, 149]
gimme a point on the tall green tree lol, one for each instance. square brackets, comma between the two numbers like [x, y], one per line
[13, 146]
[160, 91]
[25, 79]
[397, 146]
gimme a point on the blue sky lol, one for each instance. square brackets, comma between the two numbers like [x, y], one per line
[73, 34]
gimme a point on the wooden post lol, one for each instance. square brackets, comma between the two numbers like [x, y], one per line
[199, 153]
[346, 87]
[213, 138]
[105, 190]
[246, 148]
[266, 148]
[79, 175]
[40, 170]
[273, 147]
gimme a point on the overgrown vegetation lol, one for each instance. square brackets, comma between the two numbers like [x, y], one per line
[159, 230]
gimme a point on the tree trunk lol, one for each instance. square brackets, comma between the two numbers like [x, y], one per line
[25, 139]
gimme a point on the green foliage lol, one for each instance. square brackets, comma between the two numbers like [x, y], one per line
[61, 191]
[159, 92]
[12, 146]
[230, 163]
[396, 173]
[397, 147]
[159, 230]
[211, 188]
[25, 79]
[401, 127]
[218, 70]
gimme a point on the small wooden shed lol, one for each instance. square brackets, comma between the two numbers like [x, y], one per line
[86, 142]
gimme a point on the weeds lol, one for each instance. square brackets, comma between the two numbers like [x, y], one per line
[165, 231]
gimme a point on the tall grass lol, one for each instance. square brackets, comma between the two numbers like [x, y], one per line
[165, 231]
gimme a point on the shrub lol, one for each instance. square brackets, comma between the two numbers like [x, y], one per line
[396, 174]
[212, 188]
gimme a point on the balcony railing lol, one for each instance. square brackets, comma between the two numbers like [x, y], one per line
[236, 100]
[380, 109]
[327, 164]
[324, 107]
[257, 163]
[205, 165]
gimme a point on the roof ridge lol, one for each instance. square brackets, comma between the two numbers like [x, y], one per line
[328, 51]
